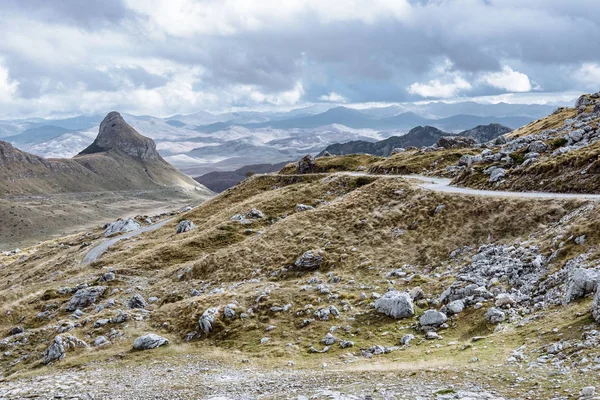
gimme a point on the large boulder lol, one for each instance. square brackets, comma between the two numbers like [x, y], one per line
[149, 341]
[120, 226]
[433, 318]
[310, 260]
[306, 165]
[395, 304]
[581, 283]
[185, 226]
[54, 352]
[85, 297]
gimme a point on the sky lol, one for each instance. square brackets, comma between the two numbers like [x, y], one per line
[166, 57]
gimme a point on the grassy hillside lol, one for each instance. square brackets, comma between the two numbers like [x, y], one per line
[365, 228]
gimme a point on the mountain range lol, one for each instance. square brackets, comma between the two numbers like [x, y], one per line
[202, 142]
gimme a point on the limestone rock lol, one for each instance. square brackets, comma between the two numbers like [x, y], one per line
[306, 165]
[55, 352]
[207, 320]
[121, 226]
[310, 260]
[596, 305]
[303, 207]
[433, 318]
[495, 316]
[137, 301]
[85, 297]
[395, 304]
[581, 283]
[149, 341]
[185, 226]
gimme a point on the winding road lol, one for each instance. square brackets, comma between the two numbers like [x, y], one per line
[97, 251]
[425, 182]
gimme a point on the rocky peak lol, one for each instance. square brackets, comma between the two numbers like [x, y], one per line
[117, 134]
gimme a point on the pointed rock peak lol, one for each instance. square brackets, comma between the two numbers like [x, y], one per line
[116, 134]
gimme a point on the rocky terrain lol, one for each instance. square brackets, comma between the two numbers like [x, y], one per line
[340, 277]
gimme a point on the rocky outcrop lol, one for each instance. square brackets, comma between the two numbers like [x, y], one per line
[395, 304]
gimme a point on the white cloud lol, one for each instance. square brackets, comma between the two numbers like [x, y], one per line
[228, 17]
[507, 79]
[435, 88]
[245, 93]
[7, 86]
[589, 74]
[333, 97]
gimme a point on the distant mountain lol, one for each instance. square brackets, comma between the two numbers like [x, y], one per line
[379, 119]
[39, 134]
[417, 137]
[119, 159]
[218, 181]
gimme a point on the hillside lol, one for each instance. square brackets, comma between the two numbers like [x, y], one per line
[558, 153]
[120, 173]
[416, 137]
[265, 285]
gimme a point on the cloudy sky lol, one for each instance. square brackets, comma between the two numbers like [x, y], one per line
[162, 57]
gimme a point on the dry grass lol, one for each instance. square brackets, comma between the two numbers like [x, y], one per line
[352, 223]
[338, 163]
[417, 162]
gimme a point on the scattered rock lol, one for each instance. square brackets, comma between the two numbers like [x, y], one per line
[433, 318]
[495, 316]
[456, 307]
[85, 297]
[395, 304]
[303, 207]
[137, 301]
[306, 165]
[329, 339]
[310, 260]
[185, 226]
[207, 320]
[149, 341]
[15, 331]
[344, 344]
[55, 352]
[497, 174]
[406, 339]
[120, 226]
[581, 283]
